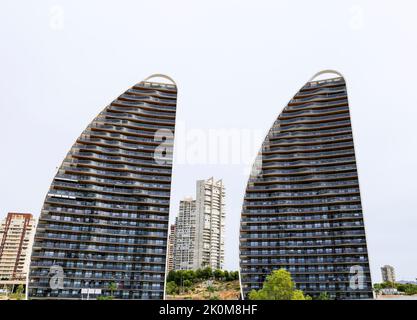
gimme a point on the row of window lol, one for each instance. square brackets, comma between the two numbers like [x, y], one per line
[89, 238]
[331, 250]
[102, 248]
[91, 213]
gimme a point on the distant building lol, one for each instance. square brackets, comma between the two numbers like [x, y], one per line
[388, 273]
[171, 245]
[210, 206]
[16, 239]
[199, 230]
[185, 235]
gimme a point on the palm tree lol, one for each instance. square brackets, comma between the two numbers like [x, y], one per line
[112, 287]
[19, 292]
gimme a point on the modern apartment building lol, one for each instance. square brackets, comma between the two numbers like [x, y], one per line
[171, 245]
[210, 224]
[302, 207]
[388, 273]
[185, 235]
[16, 239]
[199, 228]
[105, 218]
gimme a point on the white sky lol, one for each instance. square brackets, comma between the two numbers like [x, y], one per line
[236, 63]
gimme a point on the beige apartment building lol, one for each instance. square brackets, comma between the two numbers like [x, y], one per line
[16, 239]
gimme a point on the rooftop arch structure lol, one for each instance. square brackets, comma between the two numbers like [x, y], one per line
[162, 76]
[327, 71]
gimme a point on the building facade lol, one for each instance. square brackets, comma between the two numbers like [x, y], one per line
[210, 224]
[185, 235]
[105, 218]
[199, 228]
[302, 207]
[388, 274]
[171, 246]
[16, 239]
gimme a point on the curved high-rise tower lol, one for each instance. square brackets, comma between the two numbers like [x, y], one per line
[302, 208]
[104, 223]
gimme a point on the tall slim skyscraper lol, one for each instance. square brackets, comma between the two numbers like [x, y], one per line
[171, 246]
[302, 208]
[105, 217]
[388, 273]
[16, 239]
[210, 223]
[185, 235]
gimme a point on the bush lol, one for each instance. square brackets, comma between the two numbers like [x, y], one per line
[323, 296]
[187, 283]
[407, 288]
[179, 276]
[172, 288]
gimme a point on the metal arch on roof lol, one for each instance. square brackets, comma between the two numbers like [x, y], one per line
[160, 75]
[324, 72]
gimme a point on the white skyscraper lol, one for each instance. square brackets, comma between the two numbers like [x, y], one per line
[209, 230]
[185, 235]
[388, 273]
[199, 230]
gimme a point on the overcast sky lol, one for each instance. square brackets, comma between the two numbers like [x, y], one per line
[236, 64]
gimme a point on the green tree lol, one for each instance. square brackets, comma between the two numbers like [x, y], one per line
[377, 288]
[112, 287]
[187, 283]
[171, 276]
[207, 273]
[385, 285]
[20, 289]
[257, 295]
[323, 296]
[18, 294]
[299, 295]
[189, 275]
[234, 275]
[172, 288]
[278, 286]
[199, 274]
[407, 288]
[219, 274]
